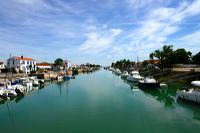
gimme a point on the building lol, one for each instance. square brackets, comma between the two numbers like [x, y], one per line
[43, 66]
[20, 63]
[68, 64]
[2, 65]
[153, 61]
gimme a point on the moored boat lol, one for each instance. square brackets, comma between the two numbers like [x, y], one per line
[117, 71]
[134, 76]
[148, 82]
[191, 94]
[124, 74]
[66, 77]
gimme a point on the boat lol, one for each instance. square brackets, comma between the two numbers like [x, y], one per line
[66, 77]
[191, 94]
[196, 83]
[125, 74]
[35, 81]
[134, 76]
[10, 90]
[7, 91]
[117, 71]
[26, 82]
[148, 82]
[59, 77]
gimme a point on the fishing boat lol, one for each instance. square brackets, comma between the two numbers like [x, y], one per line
[148, 82]
[191, 94]
[125, 74]
[134, 76]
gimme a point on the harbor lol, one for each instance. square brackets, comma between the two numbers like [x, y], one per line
[108, 103]
[99, 66]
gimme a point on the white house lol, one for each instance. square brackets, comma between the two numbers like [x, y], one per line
[2, 65]
[68, 64]
[21, 64]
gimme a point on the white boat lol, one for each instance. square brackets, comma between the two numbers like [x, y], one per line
[196, 83]
[148, 82]
[8, 91]
[26, 82]
[35, 81]
[59, 77]
[134, 76]
[125, 74]
[12, 90]
[117, 71]
[192, 94]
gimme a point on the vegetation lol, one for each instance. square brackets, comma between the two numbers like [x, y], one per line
[168, 56]
[58, 62]
[196, 58]
[123, 64]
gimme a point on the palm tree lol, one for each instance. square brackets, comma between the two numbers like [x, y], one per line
[160, 55]
[151, 55]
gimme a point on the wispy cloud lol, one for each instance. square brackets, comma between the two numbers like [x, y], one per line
[96, 43]
[93, 30]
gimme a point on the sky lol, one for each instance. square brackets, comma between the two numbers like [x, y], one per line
[97, 31]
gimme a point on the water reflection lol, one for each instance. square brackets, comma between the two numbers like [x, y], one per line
[10, 113]
[194, 107]
[161, 95]
[62, 85]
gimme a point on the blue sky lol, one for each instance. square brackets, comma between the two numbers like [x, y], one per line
[97, 31]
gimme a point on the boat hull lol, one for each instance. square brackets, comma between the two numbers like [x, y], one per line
[193, 95]
[66, 77]
[148, 85]
[132, 79]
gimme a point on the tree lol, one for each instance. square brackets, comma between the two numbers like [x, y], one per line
[196, 58]
[151, 56]
[165, 55]
[58, 62]
[182, 56]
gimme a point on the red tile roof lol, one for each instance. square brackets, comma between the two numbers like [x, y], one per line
[153, 61]
[24, 58]
[42, 64]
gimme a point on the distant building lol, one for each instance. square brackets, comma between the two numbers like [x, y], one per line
[43, 66]
[20, 63]
[68, 64]
[2, 65]
[154, 62]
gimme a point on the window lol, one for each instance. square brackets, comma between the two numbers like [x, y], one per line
[23, 62]
[28, 62]
[13, 62]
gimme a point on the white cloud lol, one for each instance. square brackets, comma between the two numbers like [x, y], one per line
[191, 39]
[96, 43]
[159, 24]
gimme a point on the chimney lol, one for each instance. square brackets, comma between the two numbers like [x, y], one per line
[21, 56]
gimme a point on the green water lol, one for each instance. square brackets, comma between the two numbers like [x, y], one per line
[99, 102]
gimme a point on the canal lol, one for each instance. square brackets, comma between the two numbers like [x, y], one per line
[99, 102]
